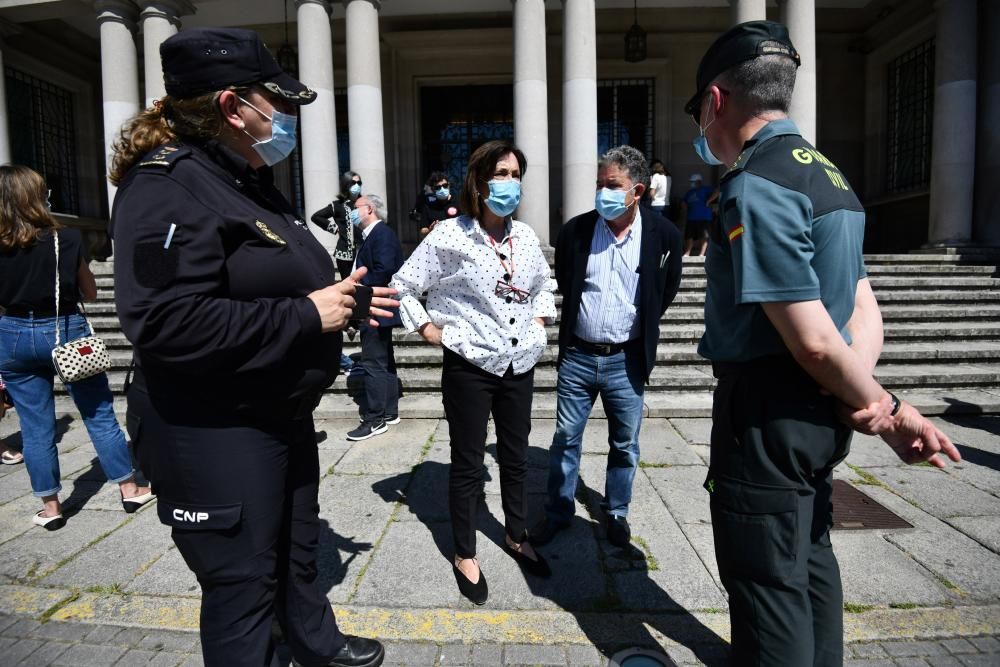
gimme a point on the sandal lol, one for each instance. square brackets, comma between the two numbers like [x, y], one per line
[11, 457]
[49, 522]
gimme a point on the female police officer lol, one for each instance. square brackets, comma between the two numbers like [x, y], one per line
[229, 303]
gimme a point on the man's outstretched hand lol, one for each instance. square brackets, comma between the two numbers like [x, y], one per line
[915, 438]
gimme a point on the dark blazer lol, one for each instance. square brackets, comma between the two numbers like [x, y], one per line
[383, 255]
[660, 242]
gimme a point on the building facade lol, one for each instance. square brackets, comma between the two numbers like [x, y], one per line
[903, 95]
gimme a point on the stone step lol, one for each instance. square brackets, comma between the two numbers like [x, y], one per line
[980, 295]
[930, 259]
[688, 377]
[674, 404]
[685, 354]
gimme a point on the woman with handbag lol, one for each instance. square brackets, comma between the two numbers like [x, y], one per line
[40, 306]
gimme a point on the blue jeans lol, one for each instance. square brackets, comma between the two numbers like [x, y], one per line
[26, 366]
[619, 380]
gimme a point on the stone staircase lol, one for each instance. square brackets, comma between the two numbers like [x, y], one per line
[942, 344]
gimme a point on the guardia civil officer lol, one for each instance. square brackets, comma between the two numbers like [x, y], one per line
[230, 304]
[793, 332]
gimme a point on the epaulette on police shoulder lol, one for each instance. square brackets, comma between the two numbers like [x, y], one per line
[165, 157]
[740, 162]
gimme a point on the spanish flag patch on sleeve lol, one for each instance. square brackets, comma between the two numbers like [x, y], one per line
[736, 232]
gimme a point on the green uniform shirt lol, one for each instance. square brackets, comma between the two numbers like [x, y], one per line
[791, 229]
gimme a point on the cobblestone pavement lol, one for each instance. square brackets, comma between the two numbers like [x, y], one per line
[30, 643]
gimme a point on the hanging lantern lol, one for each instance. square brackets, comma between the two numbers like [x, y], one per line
[635, 38]
[287, 57]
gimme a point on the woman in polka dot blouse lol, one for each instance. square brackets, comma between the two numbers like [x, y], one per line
[489, 297]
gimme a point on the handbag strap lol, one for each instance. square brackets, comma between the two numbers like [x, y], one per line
[83, 310]
[55, 235]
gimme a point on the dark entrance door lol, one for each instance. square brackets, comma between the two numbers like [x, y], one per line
[456, 120]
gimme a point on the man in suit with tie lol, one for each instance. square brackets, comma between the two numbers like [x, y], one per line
[618, 268]
[382, 254]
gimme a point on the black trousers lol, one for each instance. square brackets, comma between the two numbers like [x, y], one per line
[243, 507]
[470, 395]
[775, 442]
[344, 266]
[381, 382]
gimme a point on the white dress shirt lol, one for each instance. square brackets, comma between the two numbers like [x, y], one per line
[458, 266]
[364, 236]
[609, 303]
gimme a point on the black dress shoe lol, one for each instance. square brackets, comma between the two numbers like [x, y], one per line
[359, 652]
[544, 531]
[477, 593]
[539, 567]
[619, 532]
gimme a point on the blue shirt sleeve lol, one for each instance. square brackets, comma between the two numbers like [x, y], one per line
[769, 229]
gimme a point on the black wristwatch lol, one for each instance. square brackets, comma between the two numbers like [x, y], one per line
[896, 404]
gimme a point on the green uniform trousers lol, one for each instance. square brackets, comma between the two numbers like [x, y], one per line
[775, 442]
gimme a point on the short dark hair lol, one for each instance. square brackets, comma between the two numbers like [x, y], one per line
[435, 177]
[762, 84]
[482, 163]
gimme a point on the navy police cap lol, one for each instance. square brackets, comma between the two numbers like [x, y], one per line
[740, 43]
[203, 60]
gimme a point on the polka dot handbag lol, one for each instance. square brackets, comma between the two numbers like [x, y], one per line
[81, 358]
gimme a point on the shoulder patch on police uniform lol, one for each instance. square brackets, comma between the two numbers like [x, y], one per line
[270, 234]
[789, 161]
[165, 156]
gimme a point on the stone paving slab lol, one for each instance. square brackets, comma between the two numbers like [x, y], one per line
[897, 579]
[386, 546]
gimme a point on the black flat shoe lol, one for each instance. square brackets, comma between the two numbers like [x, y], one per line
[539, 567]
[477, 593]
[619, 532]
[132, 505]
[356, 652]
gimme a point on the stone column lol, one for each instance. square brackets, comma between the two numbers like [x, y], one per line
[119, 72]
[6, 29]
[748, 10]
[531, 114]
[986, 228]
[953, 152]
[160, 20]
[800, 17]
[320, 171]
[364, 94]
[579, 107]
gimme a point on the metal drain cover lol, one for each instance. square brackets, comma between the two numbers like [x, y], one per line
[637, 657]
[854, 510]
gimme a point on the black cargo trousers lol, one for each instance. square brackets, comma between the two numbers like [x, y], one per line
[775, 442]
[242, 502]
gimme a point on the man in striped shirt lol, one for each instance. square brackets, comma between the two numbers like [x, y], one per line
[618, 268]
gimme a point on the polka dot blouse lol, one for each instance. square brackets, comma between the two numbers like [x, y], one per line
[459, 267]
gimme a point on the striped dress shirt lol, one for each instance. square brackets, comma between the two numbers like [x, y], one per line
[609, 304]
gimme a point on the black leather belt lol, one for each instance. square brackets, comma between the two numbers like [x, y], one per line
[600, 349]
[27, 313]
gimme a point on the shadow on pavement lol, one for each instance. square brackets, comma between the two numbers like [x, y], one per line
[611, 622]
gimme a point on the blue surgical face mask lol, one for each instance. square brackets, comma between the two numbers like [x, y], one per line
[355, 190]
[355, 217]
[504, 197]
[282, 141]
[442, 193]
[611, 203]
[701, 146]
